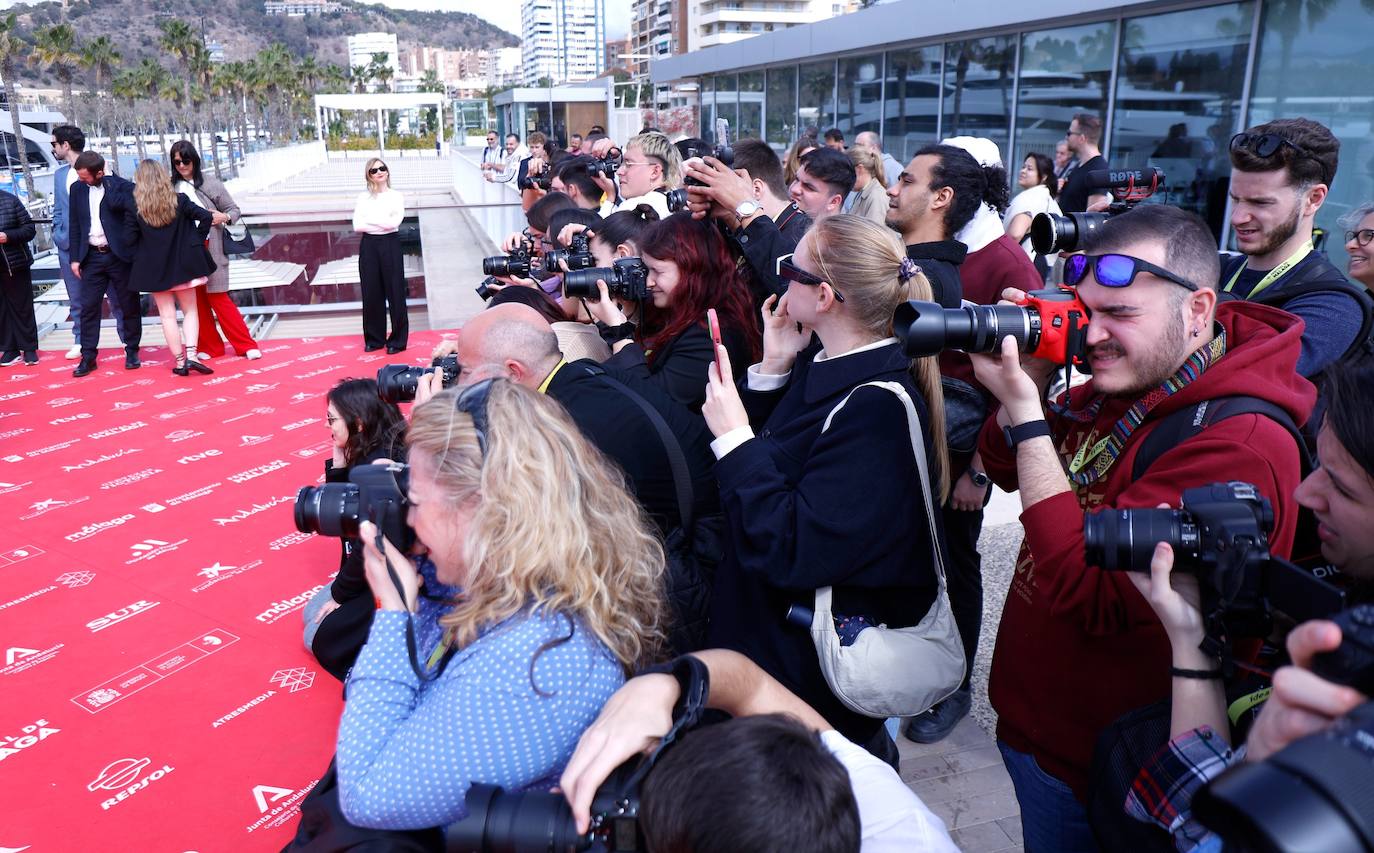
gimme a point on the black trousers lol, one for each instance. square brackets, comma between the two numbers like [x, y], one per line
[104, 274]
[382, 274]
[965, 578]
[18, 328]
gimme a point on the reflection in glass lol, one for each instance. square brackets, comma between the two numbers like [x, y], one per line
[860, 95]
[782, 106]
[708, 105]
[1314, 61]
[978, 84]
[750, 106]
[912, 110]
[1178, 101]
[816, 104]
[1064, 71]
[727, 105]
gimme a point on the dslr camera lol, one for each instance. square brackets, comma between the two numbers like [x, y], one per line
[397, 383]
[1050, 324]
[541, 181]
[607, 166]
[483, 289]
[577, 256]
[1221, 535]
[1050, 233]
[1315, 794]
[626, 278]
[677, 199]
[375, 493]
[518, 264]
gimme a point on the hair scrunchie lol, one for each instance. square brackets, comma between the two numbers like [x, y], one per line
[908, 269]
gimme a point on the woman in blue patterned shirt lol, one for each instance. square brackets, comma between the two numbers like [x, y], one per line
[547, 593]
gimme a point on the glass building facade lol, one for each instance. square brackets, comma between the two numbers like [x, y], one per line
[1171, 87]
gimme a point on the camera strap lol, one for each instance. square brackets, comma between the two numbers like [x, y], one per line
[443, 652]
[1273, 275]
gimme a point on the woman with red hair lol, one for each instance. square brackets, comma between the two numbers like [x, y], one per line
[689, 270]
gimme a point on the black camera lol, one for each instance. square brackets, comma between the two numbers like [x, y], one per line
[530, 821]
[605, 167]
[397, 383]
[677, 199]
[626, 278]
[577, 256]
[1050, 233]
[542, 181]
[1221, 534]
[517, 264]
[1050, 324]
[375, 493]
[484, 291]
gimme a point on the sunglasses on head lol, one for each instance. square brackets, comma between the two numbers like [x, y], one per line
[1115, 270]
[788, 271]
[376, 170]
[1266, 145]
[472, 401]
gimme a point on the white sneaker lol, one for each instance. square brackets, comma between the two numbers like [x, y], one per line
[75, 352]
[203, 356]
[253, 354]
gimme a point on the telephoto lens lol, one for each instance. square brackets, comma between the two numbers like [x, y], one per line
[375, 493]
[328, 510]
[398, 383]
[626, 278]
[1125, 539]
[516, 264]
[928, 328]
[1050, 233]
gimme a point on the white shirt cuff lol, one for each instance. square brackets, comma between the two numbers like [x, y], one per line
[757, 380]
[722, 446]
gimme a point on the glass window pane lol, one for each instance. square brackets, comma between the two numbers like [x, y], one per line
[860, 95]
[816, 106]
[750, 106]
[978, 87]
[782, 106]
[708, 104]
[1064, 71]
[1314, 61]
[913, 101]
[727, 105]
[1178, 101]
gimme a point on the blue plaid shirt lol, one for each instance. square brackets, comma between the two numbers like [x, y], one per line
[1163, 791]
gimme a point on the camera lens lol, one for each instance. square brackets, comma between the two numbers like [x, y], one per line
[329, 510]
[1050, 233]
[677, 199]
[1125, 539]
[582, 283]
[501, 822]
[398, 383]
[928, 328]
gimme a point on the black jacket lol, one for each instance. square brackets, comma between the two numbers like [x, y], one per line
[117, 205]
[679, 367]
[763, 242]
[19, 231]
[940, 262]
[172, 254]
[807, 510]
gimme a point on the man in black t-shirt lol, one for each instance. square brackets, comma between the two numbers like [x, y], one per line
[1084, 133]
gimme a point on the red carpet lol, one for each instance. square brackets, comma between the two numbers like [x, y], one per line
[156, 695]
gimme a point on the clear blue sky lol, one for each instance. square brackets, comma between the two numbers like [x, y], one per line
[507, 15]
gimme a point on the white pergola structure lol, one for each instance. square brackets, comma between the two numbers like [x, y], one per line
[379, 102]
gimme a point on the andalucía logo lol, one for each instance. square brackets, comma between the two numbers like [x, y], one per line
[6, 488]
[277, 806]
[123, 613]
[150, 549]
[250, 440]
[17, 659]
[122, 777]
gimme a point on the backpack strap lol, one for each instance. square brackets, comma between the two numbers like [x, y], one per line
[1181, 425]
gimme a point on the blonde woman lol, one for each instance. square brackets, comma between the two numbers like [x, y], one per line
[870, 187]
[810, 506]
[381, 270]
[532, 618]
[168, 231]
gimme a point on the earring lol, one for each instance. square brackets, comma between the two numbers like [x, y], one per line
[1196, 332]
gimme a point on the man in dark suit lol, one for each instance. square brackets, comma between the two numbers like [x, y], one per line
[101, 256]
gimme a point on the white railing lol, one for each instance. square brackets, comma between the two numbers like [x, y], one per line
[261, 169]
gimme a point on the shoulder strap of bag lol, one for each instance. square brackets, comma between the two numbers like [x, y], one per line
[682, 479]
[1181, 425]
[918, 445]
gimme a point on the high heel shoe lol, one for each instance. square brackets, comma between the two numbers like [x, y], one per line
[198, 367]
[179, 366]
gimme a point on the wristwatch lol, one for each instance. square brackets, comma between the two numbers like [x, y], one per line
[746, 209]
[979, 479]
[1023, 432]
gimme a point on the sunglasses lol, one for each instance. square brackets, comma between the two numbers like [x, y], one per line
[376, 169]
[472, 401]
[178, 162]
[1266, 145]
[1361, 238]
[788, 271]
[1115, 270]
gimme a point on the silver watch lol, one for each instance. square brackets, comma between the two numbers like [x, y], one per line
[746, 209]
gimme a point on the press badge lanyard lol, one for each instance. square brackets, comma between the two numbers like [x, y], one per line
[1273, 275]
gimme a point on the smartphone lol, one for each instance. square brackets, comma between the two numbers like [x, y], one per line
[713, 324]
[723, 132]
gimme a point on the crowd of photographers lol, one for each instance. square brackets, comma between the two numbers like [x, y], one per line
[692, 509]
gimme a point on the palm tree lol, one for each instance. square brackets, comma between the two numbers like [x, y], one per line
[12, 52]
[362, 75]
[381, 70]
[277, 76]
[101, 58]
[181, 42]
[56, 49]
[128, 87]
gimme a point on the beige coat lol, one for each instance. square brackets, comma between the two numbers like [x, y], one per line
[871, 202]
[213, 196]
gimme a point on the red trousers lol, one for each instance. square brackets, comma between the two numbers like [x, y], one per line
[230, 320]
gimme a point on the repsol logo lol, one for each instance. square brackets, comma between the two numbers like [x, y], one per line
[197, 457]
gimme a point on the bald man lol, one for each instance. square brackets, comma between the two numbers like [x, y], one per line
[891, 168]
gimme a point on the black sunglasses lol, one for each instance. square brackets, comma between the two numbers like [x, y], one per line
[1266, 145]
[1361, 238]
[375, 169]
[788, 271]
[176, 161]
[1115, 270]
[472, 401]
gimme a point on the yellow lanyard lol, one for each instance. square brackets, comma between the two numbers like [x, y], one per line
[544, 386]
[1246, 702]
[1086, 455]
[1273, 275]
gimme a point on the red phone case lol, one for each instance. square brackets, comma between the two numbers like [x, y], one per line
[713, 324]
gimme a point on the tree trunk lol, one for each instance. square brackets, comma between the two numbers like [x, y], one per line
[138, 134]
[71, 99]
[162, 140]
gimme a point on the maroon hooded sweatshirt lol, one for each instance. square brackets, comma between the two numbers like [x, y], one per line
[1078, 646]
